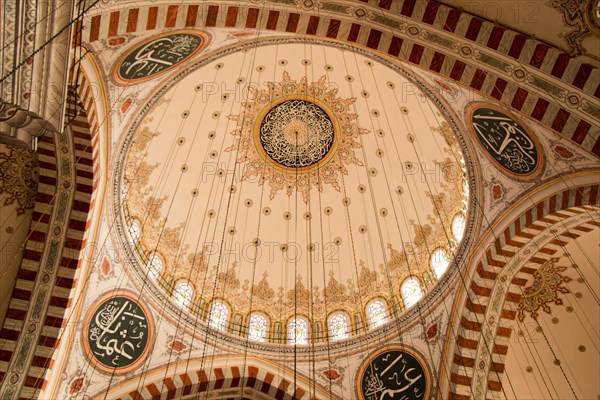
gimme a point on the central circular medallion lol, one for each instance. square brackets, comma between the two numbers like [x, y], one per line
[296, 134]
[309, 165]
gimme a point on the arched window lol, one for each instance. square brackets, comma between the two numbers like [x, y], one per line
[458, 227]
[154, 266]
[411, 292]
[298, 331]
[183, 294]
[257, 328]
[218, 316]
[376, 314]
[439, 261]
[338, 327]
[135, 231]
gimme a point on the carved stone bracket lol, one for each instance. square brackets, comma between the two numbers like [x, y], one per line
[18, 127]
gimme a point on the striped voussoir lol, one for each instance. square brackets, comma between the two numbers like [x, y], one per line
[228, 380]
[540, 218]
[504, 61]
[57, 298]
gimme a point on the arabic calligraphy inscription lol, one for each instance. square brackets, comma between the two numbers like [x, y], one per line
[394, 374]
[158, 55]
[117, 333]
[296, 134]
[507, 141]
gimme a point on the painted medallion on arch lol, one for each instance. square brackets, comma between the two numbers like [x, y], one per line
[118, 333]
[158, 55]
[506, 140]
[394, 373]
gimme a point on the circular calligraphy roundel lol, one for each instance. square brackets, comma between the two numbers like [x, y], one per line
[118, 333]
[296, 134]
[394, 373]
[158, 54]
[505, 139]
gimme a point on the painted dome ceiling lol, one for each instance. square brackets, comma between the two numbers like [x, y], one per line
[274, 179]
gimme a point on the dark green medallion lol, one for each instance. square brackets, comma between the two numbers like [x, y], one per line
[505, 140]
[394, 374]
[117, 333]
[158, 55]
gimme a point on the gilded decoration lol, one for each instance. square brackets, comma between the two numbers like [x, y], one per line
[18, 177]
[266, 143]
[580, 15]
[451, 170]
[229, 278]
[413, 258]
[335, 291]
[155, 237]
[446, 132]
[262, 290]
[547, 283]
[296, 136]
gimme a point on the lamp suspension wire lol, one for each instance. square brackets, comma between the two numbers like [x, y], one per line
[462, 272]
[218, 291]
[412, 269]
[521, 289]
[35, 223]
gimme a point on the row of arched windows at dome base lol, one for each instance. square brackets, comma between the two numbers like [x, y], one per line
[259, 328]
[298, 329]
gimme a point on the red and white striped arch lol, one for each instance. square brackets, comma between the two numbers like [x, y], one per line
[483, 327]
[400, 29]
[38, 283]
[83, 157]
[226, 377]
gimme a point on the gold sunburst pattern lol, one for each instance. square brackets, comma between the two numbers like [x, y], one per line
[296, 135]
[18, 177]
[547, 284]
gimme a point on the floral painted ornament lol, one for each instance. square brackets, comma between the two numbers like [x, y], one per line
[296, 136]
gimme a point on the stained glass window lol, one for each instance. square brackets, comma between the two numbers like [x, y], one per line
[376, 313]
[257, 328]
[338, 327]
[458, 227]
[411, 291]
[135, 231]
[439, 261]
[298, 331]
[183, 294]
[154, 266]
[218, 316]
